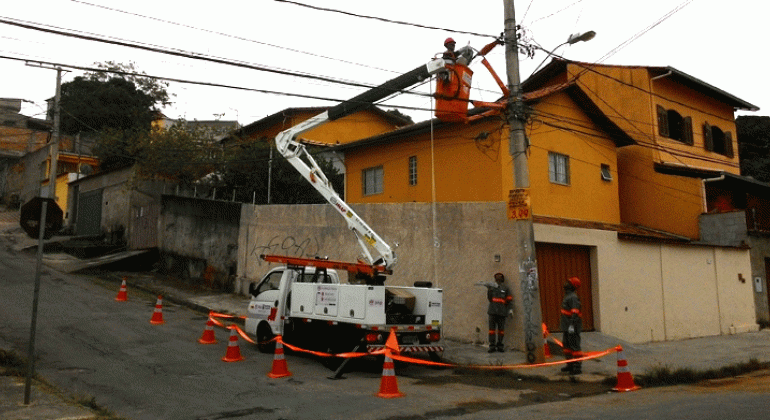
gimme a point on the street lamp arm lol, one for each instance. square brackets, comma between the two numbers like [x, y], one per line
[573, 39]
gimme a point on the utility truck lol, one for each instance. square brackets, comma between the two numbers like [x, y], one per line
[304, 300]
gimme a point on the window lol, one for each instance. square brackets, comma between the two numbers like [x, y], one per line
[672, 125]
[717, 141]
[412, 170]
[606, 174]
[372, 180]
[558, 168]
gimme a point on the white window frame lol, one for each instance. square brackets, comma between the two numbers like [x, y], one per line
[412, 170]
[558, 168]
[606, 172]
[372, 180]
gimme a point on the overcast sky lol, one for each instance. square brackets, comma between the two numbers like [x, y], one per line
[721, 43]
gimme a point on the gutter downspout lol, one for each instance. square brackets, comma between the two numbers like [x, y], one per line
[703, 189]
[654, 114]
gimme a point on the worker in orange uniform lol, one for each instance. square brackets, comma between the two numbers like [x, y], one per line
[500, 302]
[571, 325]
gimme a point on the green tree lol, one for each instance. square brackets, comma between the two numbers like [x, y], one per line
[93, 106]
[753, 134]
[248, 168]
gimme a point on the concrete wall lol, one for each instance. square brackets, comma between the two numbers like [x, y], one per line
[198, 239]
[458, 253]
[727, 229]
[642, 291]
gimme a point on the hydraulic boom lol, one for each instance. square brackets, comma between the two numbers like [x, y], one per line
[287, 144]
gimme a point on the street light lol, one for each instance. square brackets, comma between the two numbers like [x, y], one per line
[573, 39]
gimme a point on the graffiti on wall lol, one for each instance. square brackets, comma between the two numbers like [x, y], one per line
[286, 245]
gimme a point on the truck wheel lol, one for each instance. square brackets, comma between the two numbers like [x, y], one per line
[264, 337]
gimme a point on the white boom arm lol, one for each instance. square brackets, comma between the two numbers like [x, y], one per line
[287, 144]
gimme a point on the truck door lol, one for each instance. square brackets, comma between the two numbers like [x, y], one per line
[268, 300]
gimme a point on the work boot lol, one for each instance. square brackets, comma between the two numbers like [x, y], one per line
[491, 348]
[500, 348]
[567, 368]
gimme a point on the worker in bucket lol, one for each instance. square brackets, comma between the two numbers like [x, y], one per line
[500, 306]
[449, 54]
[571, 324]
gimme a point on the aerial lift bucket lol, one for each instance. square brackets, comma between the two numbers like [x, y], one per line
[452, 93]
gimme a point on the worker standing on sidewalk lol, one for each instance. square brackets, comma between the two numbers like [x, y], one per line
[571, 325]
[500, 300]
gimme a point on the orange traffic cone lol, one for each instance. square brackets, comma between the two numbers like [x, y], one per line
[233, 351]
[208, 336]
[280, 369]
[546, 349]
[123, 292]
[388, 384]
[157, 314]
[625, 381]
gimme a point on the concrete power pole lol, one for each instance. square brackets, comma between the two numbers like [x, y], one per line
[519, 199]
[54, 145]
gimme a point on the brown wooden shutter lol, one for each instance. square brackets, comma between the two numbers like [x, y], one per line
[662, 121]
[729, 144]
[708, 139]
[687, 131]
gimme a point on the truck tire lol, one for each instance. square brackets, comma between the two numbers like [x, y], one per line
[264, 337]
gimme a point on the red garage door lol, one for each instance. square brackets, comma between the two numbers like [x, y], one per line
[555, 264]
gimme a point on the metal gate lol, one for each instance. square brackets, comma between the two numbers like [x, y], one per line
[89, 214]
[555, 264]
[144, 226]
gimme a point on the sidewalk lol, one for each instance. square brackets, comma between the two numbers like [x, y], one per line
[697, 353]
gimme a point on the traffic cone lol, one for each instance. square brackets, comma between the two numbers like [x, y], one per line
[123, 292]
[625, 381]
[388, 384]
[546, 349]
[233, 351]
[208, 336]
[157, 314]
[280, 369]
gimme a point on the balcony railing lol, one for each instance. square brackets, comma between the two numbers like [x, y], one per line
[758, 220]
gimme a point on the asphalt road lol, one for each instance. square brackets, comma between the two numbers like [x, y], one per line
[92, 346]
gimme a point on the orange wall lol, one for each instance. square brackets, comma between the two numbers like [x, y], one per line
[701, 108]
[344, 130]
[481, 170]
[465, 169]
[562, 128]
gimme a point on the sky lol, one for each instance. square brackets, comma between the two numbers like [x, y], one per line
[336, 43]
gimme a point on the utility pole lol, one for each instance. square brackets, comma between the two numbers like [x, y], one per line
[526, 261]
[54, 147]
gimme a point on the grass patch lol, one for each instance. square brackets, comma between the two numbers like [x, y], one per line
[665, 376]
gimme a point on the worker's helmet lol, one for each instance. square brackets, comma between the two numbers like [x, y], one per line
[448, 41]
[499, 276]
[574, 281]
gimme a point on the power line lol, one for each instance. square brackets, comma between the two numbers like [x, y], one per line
[240, 38]
[398, 22]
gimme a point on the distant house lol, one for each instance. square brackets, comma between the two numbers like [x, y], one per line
[25, 157]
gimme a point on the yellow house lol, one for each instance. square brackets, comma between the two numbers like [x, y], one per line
[683, 131]
[344, 130]
[617, 159]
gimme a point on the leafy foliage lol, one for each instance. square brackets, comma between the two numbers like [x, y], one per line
[93, 106]
[180, 153]
[754, 146]
[157, 89]
[248, 169]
